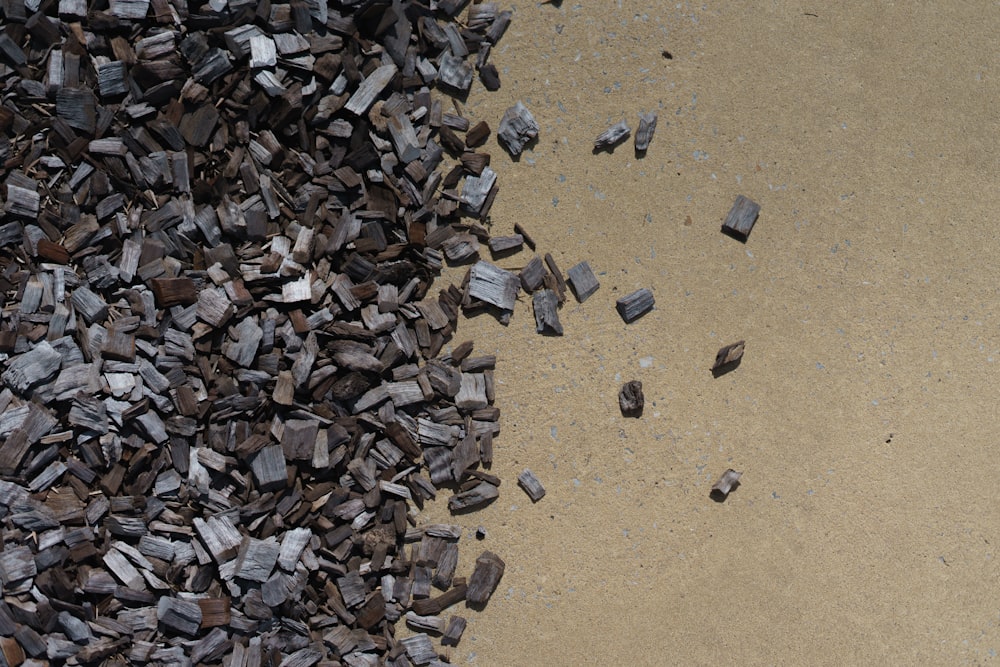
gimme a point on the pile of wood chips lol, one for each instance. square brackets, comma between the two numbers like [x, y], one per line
[224, 397]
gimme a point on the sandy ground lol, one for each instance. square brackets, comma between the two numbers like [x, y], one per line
[863, 413]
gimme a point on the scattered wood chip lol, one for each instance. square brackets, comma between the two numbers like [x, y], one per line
[612, 136]
[728, 357]
[741, 218]
[517, 128]
[631, 400]
[644, 135]
[635, 305]
[726, 483]
[527, 481]
[583, 281]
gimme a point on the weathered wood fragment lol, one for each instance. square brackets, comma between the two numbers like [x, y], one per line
[493, 285]
[741, 218]
[630, 399]
[485, 577]
[527, 481]
[583, 281]
[728, 357]
[725, 484]
[644, 134]
[517, 128]
[545, 304]
[612, 136]
[635, 305]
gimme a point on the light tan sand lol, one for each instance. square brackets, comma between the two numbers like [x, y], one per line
[863, 415]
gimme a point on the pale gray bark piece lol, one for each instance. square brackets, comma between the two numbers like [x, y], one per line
[612, 136]
[517, 128]
[472, 392]
[419, 648]
[455, 72]
[726, 483]
[527, 481]
[292, 545]
[476, 190]
[635, 305]
[583, 281]
[35, 366]
[90, 305]
[644, 134]
[244, 350]
[545, 303]
[370, 89]
[490, 283]
[257, 559]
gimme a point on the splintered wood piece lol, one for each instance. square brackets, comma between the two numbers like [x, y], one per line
[583, 281]
[174, 291]
[527, 481]
[630, 399]
[644, 135]
[517, 128]
[370, 89]
[528, 241]
[532, 275]
[453, 632]
[455, 72]
[612, 136]
[480, 494]
[635, 305]
[741, 218]
[493, 285]
[419, 648]
[502, 244]
[476, 190]
[560, 283]
[184, 616]
[728, 355]
[485, 577]
[31, 368]
[545, 304]
[727, 482]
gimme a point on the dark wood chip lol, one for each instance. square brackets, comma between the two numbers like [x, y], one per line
[635, 305]
[728, 357]
[631, 399]
[741, 218]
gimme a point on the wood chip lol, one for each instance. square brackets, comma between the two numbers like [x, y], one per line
[583, 281]
[725, 484]
[631, 400]
[527, 481]
[612, 136]
[741, 218]
[517, 128]
[635, 305]
[644, 135]
[728, 357]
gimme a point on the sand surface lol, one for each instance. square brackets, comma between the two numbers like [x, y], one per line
[863, 414]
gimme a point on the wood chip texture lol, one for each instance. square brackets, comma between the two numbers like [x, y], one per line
[225, 385]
